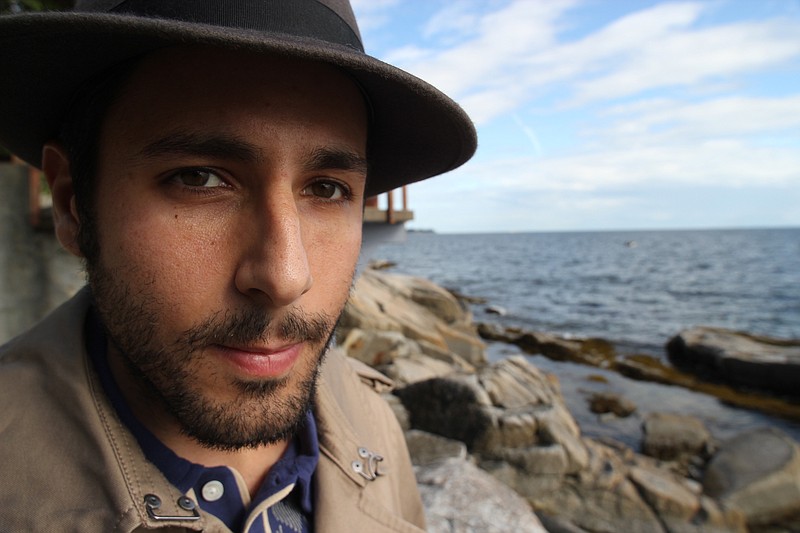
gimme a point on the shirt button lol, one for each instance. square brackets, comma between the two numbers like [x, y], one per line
[213, 491]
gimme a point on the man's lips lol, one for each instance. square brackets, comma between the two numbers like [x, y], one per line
[260, 362]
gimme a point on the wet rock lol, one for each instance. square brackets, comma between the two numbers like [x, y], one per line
[670, 437]
[609, 402]
[757, 472]
[738, 358]
[592, 351]
[496, 310]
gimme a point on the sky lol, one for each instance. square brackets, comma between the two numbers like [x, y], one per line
[606, 114]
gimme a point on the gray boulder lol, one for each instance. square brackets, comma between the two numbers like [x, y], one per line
[757, 472]
[461, 498]
[458, 496]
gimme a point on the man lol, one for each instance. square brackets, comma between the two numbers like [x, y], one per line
[209, 161]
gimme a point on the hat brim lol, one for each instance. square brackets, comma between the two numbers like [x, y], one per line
[416, 131]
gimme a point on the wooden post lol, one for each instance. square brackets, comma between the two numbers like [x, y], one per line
[390, 208]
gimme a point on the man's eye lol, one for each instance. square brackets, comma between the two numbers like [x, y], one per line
[326, 189]
[198, 177]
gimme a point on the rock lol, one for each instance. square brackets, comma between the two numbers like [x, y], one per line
[757, 472]
[426, 448]
[670, 437]
[628, 492]
[600, 497]
[738, 358]
[496, 310]
[679, 507]
[609, 402]
[555, 524]
[400, 412]
[381, 264]
[495, 332]
[415, 368]
[460, 498]
[400, 358]
[592, 351]
[416, 308]
[509, 413]
[513, 420]
[465, 298]
[378, 348]
[453, 407]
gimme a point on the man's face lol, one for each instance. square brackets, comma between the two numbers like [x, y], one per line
[228, 206]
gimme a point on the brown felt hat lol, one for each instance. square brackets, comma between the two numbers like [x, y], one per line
[416, 131]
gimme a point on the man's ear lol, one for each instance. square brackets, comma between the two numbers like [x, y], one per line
[55, 164]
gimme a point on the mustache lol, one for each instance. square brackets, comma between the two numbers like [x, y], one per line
[248, 326]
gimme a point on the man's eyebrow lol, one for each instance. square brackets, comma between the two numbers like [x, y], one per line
[336, 159]
[204, 145]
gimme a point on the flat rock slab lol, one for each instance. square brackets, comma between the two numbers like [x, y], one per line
[739, 359]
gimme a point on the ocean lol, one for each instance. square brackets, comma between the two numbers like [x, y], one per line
[634, 288]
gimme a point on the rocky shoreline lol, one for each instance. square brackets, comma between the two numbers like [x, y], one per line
[476, 429]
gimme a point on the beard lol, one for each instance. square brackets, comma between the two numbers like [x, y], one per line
[252, 413]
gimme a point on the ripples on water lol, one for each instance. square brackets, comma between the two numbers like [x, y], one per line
[637, 289]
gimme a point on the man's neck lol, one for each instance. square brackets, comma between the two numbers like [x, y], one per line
[252, 463]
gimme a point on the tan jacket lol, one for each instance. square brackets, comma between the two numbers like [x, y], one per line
[67, 463]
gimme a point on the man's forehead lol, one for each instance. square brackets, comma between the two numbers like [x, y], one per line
[196, 102]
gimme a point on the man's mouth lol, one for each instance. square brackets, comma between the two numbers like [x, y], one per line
[265, 362]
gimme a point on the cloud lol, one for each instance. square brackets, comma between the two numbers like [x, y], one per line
[508, 57]
[691, 57]
[659, 121]
[500, 39]
[723, 163]
[675, 96]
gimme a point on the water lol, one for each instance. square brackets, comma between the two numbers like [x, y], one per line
[636, 289]
[637, 295]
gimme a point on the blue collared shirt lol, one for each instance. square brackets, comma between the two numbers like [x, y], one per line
[283, 502]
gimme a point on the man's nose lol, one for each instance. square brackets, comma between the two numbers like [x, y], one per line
[274, 264]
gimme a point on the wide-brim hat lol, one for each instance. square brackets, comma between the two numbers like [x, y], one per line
[416, 131]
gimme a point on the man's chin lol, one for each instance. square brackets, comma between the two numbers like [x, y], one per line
[264, 412]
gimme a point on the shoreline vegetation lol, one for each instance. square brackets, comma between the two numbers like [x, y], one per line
[601, 353]
[509, 419]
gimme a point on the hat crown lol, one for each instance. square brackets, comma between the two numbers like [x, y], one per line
[328, 20]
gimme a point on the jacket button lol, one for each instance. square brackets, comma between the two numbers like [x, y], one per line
[213, 491]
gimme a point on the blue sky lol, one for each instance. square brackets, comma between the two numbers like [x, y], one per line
[607, 114]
